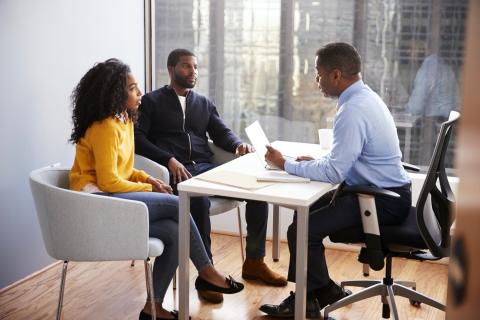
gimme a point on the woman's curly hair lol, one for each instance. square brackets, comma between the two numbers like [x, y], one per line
[101, 93]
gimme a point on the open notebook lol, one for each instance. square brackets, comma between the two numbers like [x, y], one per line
[248, 181]
[279, 176]
[234, 179]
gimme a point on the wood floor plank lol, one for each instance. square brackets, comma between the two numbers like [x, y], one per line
[114, 290]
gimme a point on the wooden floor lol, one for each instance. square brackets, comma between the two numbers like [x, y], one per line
[114, 290]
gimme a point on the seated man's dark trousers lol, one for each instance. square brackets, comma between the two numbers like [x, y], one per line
[343, 213]
[256, 216]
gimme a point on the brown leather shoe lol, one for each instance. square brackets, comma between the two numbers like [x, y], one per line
[256, 269]
[210, 296]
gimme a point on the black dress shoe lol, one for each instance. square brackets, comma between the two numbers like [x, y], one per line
[234, 286]
[286, 309]
[146, 316]
[330, 294]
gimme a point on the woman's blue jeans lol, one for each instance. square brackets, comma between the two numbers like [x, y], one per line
[163, 217]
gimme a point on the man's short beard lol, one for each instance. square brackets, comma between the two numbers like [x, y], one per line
[186, 84]
[183, 82]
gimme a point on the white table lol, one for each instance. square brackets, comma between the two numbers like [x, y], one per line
[405, 121]
[299, 196]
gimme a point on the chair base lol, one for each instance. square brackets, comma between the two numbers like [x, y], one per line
[387, 292]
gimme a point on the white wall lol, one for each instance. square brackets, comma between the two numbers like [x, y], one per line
[228, 223]
[46, 47]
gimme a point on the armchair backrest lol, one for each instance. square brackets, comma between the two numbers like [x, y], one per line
[434, 205]
[78, 226]
[151, 167]
[220, 156]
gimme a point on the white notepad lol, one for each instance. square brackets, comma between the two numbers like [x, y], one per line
[234, 179]
[280, 176]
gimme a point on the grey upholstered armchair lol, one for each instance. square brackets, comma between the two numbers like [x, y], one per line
[78, 226]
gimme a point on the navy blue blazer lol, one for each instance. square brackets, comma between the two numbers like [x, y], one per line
[161, 132]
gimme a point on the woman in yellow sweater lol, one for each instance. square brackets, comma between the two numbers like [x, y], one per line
[105, 103]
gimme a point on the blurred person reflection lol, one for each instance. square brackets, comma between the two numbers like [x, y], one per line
[434, 95]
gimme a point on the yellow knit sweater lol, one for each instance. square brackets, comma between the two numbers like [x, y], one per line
[104, 157]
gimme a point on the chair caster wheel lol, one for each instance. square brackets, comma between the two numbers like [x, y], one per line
[415, 303]
[385, 311]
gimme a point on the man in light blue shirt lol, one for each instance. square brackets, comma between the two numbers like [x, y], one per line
[365, 152]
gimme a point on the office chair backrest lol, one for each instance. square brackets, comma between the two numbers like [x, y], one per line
[436, 197]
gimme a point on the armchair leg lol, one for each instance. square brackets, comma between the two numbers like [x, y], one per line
[150, 292]
[174, 284]
[275, 231]
[240, 231]
[132, 264]
[366, 270]
[62, 289]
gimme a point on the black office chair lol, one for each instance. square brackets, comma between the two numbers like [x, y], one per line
[427, 227]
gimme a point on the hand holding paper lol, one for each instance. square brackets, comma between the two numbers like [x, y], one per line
[274, 157]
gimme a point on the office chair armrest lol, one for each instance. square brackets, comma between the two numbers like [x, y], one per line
[410, 167]
[220, 156]
[151, 167]
[366, 199]
[373, 191]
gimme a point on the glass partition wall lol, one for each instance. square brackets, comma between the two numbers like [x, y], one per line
[256, 61]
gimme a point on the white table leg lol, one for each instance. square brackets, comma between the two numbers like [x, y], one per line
[184, 254]
[275, 231]
[408, 138]
[301, 267]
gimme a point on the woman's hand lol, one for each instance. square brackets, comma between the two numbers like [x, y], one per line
[159, 186]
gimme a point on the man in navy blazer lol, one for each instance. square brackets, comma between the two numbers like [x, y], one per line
[172, 130]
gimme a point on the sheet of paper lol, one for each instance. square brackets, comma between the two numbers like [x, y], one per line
[280, 176]
[234, 179]
[258, 139]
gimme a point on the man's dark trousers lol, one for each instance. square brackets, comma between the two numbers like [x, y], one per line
[343, 213]
[256, 216]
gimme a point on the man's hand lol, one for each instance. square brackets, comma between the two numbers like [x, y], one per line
[159, 185]
[304, 158]
[275, 157]
[243, 148]
[179, 172]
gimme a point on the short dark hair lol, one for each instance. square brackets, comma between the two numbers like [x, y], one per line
[340, 55]
[175, 55]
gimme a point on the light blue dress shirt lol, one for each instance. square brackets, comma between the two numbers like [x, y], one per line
[365, 148]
